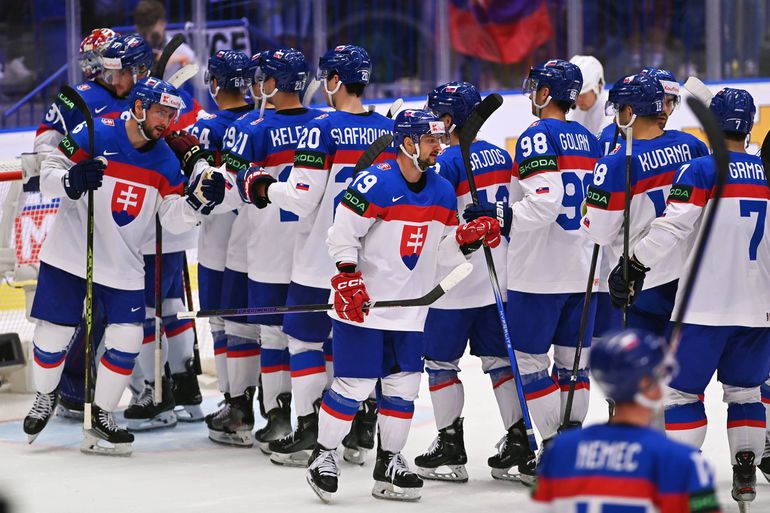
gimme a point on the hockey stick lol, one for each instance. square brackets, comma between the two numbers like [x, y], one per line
[309, 92]
[722, 160]
[80, 104]
[565, 422]
[190, 306]
[157, 397]
[457, 275]
[394, 108]
[699, 90]
[160, 67]
[470, 130]
[372, 152]
[184, 74]
[627, 216]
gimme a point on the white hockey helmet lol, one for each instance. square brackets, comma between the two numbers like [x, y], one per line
[592, 70]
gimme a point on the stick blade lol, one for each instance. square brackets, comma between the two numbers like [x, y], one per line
[184, 74]
[478, 117]
[160, 67]
[699, 90]
[457, 275]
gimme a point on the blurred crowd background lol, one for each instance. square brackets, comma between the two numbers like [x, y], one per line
[414, 44]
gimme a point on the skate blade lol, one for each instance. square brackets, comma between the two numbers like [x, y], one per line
[31, 438]
[66, 413]
[455, 473]
[167, 419]
[265, 448]
[767, 475]
[508, 474]
[189, 413]
[94, 444]
[325, 496]
[390, 492]
[291, 459]
[237, 439]
[355, 456]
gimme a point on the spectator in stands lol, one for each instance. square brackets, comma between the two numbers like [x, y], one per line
[150, 21]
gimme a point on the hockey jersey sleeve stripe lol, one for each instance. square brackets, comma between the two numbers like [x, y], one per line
[659, 180]
[499, 177]
[609, 486]
[681, 193]
[569, 162]
[42, 129]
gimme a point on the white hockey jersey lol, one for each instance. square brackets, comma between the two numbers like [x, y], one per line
[733, 285]
[136, 185]
[392, 234]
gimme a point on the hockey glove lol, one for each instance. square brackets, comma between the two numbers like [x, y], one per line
[209, 186]
[483, 229]
[84, 176]
[187, 149]
[500, 211]
[251, 182]
[624, 292]
[350, 296]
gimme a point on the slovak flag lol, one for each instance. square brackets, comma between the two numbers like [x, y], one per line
[127, 201]
[412, 241]
[302, 186]
[543, 190]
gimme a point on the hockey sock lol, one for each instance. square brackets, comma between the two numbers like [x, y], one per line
[687, 423]
[146, 358]
[329, 359]
[746, 425]
[50, 350]
[220, 360]
[242, 363]
[394, 420]
[337, 412]
[504, 387]
[308, 374]
[122, 342]
[275, 365]
[447, 395]
[180, 337]
[542, 395]
[580, 398]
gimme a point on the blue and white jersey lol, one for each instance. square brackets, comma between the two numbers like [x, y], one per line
[547, 254]
[214, 233]
[492, 168]
[608, 136]
[392, 233]
[733, 285]
[654, 164]
[136, 185]
[328, 150]
[270, 143]
[623, 468]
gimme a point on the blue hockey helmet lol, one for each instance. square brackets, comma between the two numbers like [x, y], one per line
[620, 362]
[667, 80]
[734, 109]
[287, 66]
[127, 52]
[231, 69]
[414, 124]
[350, 62]
[644, 93]
[563, 79]
[154, 90]
[458, 99]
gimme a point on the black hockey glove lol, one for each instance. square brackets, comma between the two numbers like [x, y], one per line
[500, 211]
[84, 176]
[188, 150]
[206, 191]
[624, 292]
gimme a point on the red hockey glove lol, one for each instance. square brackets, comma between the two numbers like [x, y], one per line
[350, 296]
[484, 229]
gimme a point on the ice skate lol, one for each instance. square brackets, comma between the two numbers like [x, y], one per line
[744, 480]
[393, 480]
[446, 458]
[360, 440]
[323, 472]
[105, 437]
[512, 451]
[278, 423]
[145, 415]
[294, 449]
[40, 414]
[234, 425]
[69, 409]
[224, 405]
[187, 396]
[764, 465]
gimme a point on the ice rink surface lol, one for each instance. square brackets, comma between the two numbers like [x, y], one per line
[180, 470]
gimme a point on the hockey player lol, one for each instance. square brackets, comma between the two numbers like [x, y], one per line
[726, 326]
[624, 465]
[638, 101]
[328, 149]
[589, 106]
[270, 149]
[554, 159]
[397, 221]
[141, 179]
[468, 311]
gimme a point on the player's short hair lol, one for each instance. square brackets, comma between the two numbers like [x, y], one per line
[563, 105]
[355, 89]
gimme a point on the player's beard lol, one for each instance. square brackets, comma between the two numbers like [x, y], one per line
[429, 162]
[155, 132]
